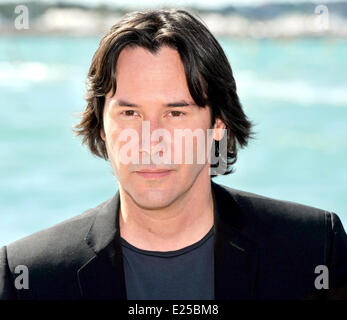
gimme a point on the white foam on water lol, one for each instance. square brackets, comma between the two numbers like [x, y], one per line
[296, 91]
[14, 74]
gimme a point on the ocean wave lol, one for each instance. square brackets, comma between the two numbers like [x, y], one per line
[249, 83]
[298, 91]
[27, 73]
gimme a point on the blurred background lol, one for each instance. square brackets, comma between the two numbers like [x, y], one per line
[290, 64]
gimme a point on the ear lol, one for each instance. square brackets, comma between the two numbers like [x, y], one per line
[102, 134]
[218, 129]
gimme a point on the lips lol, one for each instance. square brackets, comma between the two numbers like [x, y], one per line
[153, 173]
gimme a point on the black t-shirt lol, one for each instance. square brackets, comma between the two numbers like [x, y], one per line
[184, 274]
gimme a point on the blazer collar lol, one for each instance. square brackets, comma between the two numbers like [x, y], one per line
[102, 277]
[236, 253]
[235, 263]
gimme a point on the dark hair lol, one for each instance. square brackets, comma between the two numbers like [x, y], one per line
[208, 72]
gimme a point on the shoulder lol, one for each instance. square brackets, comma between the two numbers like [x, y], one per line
[265, 204]
[50, 244]
[274, 213]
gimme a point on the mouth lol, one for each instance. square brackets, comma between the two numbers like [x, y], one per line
[153, 174]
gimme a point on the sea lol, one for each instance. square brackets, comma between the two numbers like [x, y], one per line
[293, 90]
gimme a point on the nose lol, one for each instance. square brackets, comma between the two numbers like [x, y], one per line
[153, 133]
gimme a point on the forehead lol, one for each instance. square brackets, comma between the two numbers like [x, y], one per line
[145, 73]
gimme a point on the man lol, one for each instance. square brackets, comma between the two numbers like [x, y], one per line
[170, 232]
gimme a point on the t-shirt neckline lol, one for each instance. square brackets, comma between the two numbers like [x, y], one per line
[171, 253]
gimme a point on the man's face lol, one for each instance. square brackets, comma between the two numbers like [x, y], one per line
[153, 88]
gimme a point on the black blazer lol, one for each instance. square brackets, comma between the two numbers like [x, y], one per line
[264, 249]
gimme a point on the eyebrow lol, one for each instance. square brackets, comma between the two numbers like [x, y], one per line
[180, 103]
[123, 103]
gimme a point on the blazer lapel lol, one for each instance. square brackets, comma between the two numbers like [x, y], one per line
[102, 277]
[235, 253]
[235, 263]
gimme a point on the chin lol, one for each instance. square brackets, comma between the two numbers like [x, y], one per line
[153, 199]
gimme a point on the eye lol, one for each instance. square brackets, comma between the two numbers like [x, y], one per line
[176, 114]
[129, 113]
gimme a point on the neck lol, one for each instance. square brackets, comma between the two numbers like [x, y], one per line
[176, 226]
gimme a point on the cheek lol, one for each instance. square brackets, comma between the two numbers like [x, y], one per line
[112, 133]
[193, 149]
[190, 149]
[116, 128]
